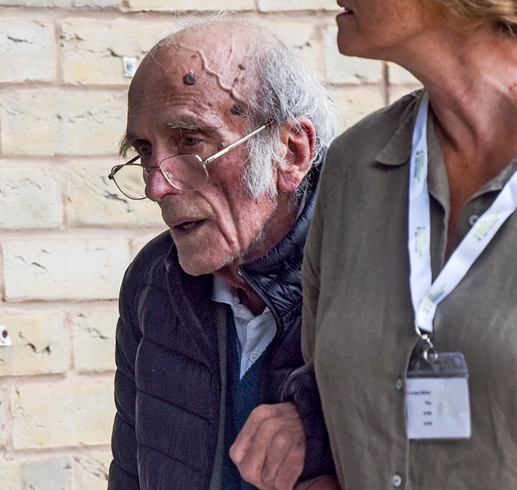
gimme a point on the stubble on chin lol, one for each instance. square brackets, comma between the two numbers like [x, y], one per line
[207, 264]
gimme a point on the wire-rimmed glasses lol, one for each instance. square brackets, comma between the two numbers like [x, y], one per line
[184, 172]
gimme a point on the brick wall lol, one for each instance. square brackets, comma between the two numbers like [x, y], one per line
[66, 235]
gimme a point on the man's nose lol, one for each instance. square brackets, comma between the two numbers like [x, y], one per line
[157, 186]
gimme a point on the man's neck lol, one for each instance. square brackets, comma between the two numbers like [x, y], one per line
[278, 226]
[247, 295]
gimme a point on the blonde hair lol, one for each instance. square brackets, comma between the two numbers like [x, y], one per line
[502, 14]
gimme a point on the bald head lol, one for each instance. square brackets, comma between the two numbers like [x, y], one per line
[215, 58]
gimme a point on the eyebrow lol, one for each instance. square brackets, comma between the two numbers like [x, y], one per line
[180, 122]
[189, 122]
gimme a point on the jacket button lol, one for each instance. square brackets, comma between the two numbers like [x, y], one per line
[400, 384]
[397, 481]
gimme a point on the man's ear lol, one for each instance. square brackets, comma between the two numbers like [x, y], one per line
[299, 138]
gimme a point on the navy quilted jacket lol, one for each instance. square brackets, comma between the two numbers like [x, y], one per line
[167, 384]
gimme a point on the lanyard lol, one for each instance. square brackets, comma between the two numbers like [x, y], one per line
[425, 294]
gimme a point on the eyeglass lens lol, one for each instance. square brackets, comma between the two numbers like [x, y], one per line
[130, 180]
[184, 172]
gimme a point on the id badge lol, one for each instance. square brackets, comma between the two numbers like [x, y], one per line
[437, 398]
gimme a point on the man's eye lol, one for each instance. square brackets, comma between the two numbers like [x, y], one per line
[190, 141]
[144, 151]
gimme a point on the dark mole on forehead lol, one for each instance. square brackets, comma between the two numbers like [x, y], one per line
[242, 67]
[189, 79]
[237, 109]
[194, 56]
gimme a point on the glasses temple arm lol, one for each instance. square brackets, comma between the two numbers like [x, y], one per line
[237, 143]
[116, 168]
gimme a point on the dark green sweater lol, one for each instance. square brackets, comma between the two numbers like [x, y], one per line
[242, 396]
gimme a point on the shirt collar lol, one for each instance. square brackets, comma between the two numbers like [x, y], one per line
[224, 292]
[398, 149]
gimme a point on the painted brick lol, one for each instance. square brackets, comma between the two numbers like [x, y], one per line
[22, 41]
[37, 474]
[107, 206]
[93, 51]
[62, 3]
[199, 5]
[5, 425]
[398, 91]
[269, 5]
[345, 69]
[358, 102]
[30, 198]
[64, 269]
[55, 415]
[299, 36]
[56, 122]
[92, 470]
[94, 341]
[138, 243]
[399, 75]
[40, 344]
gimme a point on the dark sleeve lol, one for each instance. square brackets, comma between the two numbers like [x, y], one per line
[301, 389]
[123, 473]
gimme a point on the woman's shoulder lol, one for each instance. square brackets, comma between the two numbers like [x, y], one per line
[376, 128]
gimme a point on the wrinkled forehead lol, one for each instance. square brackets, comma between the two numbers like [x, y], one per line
[214, 64]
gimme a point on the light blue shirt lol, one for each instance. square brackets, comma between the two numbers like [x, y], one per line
[255, 333]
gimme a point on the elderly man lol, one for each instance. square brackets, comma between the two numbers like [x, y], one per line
[227, 128]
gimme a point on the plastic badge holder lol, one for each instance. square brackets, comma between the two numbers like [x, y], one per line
[437, 398]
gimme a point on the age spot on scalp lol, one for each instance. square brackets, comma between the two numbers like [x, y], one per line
[189, 79]
[241, 66]
[237, 109]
